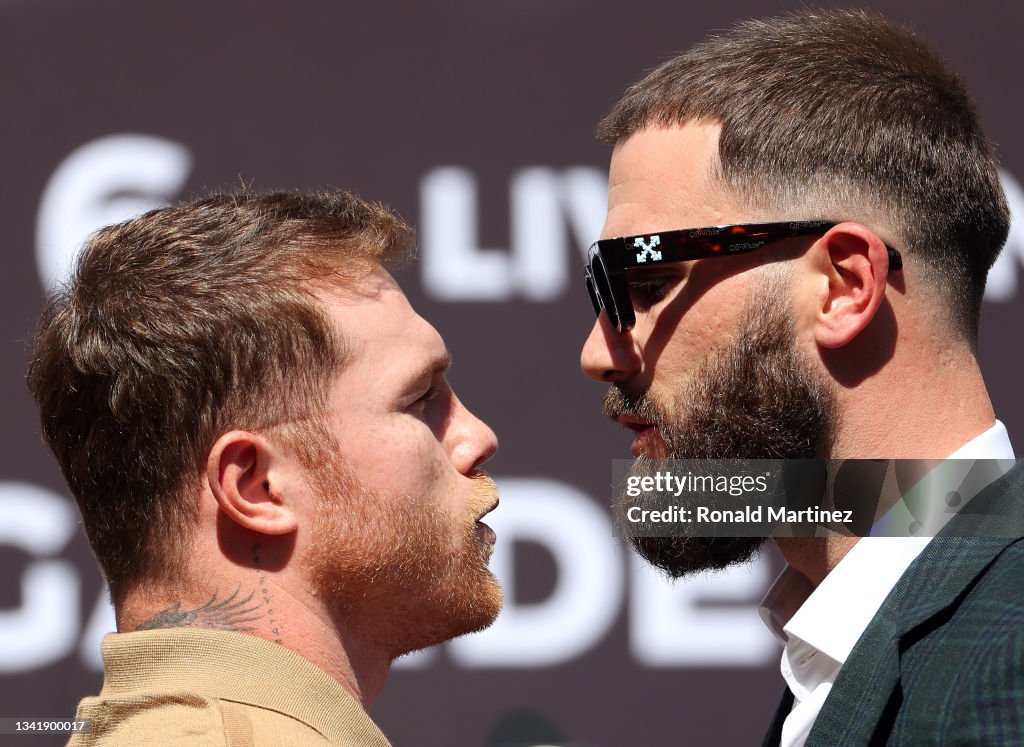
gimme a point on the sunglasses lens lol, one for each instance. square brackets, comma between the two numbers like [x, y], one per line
[593, 294]
[604, 291]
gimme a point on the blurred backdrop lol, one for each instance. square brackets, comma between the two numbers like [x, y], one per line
[474, 120]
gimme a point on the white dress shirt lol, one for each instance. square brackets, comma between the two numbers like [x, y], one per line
[819, 627]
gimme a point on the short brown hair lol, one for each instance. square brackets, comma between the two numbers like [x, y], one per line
[841, 114]
[177, 326]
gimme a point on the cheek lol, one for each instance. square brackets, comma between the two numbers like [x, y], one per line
[708, 325]
[388, 451]
[403, 457]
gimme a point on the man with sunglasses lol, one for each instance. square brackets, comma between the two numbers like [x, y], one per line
[802, 213]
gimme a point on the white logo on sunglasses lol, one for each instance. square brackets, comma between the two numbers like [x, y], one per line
[648, 249]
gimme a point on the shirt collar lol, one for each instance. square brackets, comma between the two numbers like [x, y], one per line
[832, 617]
[992, 444]
[237, 667]
[927, 507]
[836, 613]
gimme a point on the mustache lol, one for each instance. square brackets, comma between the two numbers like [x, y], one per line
[618, 402]
[485, 492]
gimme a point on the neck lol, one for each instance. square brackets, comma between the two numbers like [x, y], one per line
[254, 603]
[815, 557]
[907, 387]
[924, 404]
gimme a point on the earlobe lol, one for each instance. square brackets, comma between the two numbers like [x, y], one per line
[239, 475]
[855, 263]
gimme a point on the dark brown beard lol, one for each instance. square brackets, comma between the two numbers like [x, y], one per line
[756, 398]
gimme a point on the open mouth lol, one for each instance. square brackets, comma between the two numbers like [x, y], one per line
[647, 441]
[484, 532]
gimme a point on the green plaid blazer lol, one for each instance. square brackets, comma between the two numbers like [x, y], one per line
[942, 662]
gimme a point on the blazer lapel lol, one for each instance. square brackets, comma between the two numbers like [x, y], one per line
[939, 578]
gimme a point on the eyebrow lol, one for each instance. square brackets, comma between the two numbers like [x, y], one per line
[438, 365]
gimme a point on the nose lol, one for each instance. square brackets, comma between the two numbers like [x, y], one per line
[474, 443]
[609, 356]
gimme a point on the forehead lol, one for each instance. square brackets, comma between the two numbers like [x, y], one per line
[660, 179]
[386, 337]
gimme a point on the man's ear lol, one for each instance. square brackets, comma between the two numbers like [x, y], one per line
[855, 265]
[239, 471]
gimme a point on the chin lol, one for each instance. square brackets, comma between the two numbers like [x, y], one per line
[680, 557]
[450, 615]
[406, 579]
